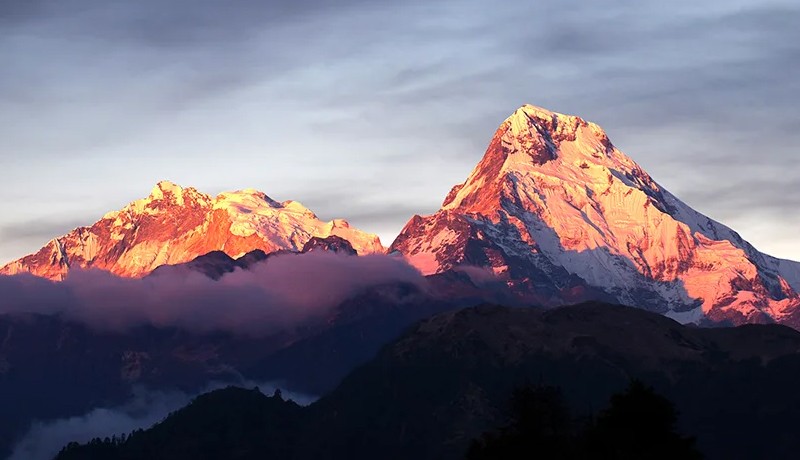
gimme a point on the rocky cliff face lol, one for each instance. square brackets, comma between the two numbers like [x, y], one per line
[176, 225]
[554, 209]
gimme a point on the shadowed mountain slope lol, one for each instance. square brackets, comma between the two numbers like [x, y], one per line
[449, 378]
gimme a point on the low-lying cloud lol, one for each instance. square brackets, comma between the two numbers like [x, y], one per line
[276, 294]
[480, 276]
[45, 439]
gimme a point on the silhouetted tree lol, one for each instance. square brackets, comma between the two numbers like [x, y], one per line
[540, 427]
[639, 424]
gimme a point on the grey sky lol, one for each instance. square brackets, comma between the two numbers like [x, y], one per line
[372, 110]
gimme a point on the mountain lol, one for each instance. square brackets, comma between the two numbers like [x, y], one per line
[332, 243]
[558, 212]
[215, 264]
[175, 225]
[449, 379]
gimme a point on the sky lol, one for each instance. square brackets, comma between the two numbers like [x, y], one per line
[372, 110]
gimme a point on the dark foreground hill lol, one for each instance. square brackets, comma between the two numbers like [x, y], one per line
[449, 379]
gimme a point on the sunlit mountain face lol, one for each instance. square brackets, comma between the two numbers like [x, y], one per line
[175, 225]
[554, 209]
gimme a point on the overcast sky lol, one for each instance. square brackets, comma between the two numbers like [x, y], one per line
[372, 110]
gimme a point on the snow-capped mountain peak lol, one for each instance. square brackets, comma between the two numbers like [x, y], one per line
[174, 225]
[536, 142]
[557, 210]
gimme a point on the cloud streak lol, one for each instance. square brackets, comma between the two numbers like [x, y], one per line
[277, 294]
[38, 231]
[398, 99]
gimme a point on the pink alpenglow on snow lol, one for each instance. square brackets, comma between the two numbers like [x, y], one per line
[175, 225]
[554, 202]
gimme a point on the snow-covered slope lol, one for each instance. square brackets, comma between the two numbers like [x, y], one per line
[555, 209]
[175, 225]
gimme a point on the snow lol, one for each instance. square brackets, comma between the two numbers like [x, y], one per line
[595, 212]
[424, 262]
[693, 316]
[150, 232]
[166, 186]
[788, 269]
[289, 224]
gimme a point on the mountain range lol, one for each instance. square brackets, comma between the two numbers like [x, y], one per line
[553, 213]
[174, 225]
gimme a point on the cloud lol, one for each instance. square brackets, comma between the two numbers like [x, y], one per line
[481, 276]
[406, 94]
[278, 294]
[163, 24]
[38, 230]
[765, 196]
[45, 439]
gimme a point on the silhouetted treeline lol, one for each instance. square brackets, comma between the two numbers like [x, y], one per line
[233, 423]
[243, 424]
[638, 424]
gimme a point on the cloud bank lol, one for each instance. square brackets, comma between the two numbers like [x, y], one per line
[279, 293]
